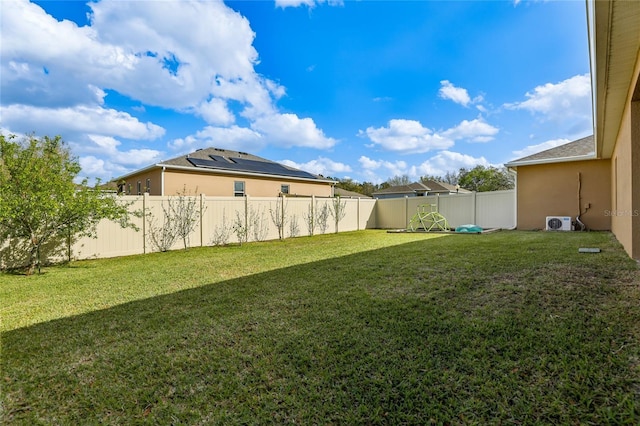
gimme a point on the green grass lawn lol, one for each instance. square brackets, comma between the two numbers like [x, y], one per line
[357, 328]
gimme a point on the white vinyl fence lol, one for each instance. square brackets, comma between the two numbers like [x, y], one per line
[485, 209]
[217, 216]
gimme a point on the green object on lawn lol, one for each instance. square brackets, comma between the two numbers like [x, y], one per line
[469, 229]
[428, 218]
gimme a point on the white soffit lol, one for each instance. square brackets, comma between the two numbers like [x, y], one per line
[617, 44]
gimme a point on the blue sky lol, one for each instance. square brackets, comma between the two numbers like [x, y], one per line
[365, 90]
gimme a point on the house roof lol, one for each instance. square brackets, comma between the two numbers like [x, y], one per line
[348, 194]
[436, 186]
[224, 161]
[403, 189]
[581, 149]
[428, 186]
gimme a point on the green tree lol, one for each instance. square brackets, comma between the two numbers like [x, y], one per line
[449, 177]
[482, 179]
[41, 206]
[399, 180]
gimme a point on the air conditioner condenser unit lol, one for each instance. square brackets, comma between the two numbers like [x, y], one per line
[558, 223]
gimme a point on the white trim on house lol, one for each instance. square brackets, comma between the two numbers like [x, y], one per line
[590, 156]
[222, 172]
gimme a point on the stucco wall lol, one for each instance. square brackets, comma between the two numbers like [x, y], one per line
[625, 171]
[552, 190]
[219, 185]
[223, 186]
[154, 181]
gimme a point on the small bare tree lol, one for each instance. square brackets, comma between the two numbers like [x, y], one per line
[279, 216]
[162, 236]
[322, 217]
[309, 219]
[222, 233]
[294, 229]
[338, 210]
[241, 228]
[184, 208]
[181, 215]
[258, 225]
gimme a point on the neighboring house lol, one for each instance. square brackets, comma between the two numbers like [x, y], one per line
[221, 172]
[343, 193]
[419, 189]
[567, 180]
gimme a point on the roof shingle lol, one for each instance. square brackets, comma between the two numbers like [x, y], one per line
[578, 149]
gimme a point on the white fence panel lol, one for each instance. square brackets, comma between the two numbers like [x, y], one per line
[218, 216]
[457, 208]
[391, 213]
[298, 214]
[496, 209]
[485, 209]
[367, 213]
[112, 240]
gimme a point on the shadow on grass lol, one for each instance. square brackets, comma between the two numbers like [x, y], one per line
[440, 331]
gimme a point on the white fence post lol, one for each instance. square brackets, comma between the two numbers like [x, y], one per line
[406, 212]
[145, 206]
[201, 220]
[475, 207]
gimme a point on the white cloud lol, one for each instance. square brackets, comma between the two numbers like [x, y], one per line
[234, 137]
[80, 119]
[320, 166]
[410, 136]
[72, 121]
[453, 93]
[534, 149]
[56, 77]
[288, 130]
[138, 51]
[378, 171]
[407, 136]
[568, 99]
[108, 147]
[475, 131]
[215, 112]
[309, 3]
[448, 161]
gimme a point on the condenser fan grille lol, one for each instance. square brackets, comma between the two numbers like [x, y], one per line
[558, 223]
[554, 223]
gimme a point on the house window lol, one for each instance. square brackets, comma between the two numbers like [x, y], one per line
[139, 188]
[148, 187]
[284, 189]
[238, 188]
[129, 189]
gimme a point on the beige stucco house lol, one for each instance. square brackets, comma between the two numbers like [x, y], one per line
[568, 180]
[224, 173]
[598, 178]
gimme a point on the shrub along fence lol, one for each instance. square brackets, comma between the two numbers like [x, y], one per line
[223, 220]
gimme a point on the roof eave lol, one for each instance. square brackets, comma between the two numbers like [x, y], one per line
[590, 156]
[226, 172]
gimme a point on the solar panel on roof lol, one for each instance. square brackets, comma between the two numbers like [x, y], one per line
[245, 165]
